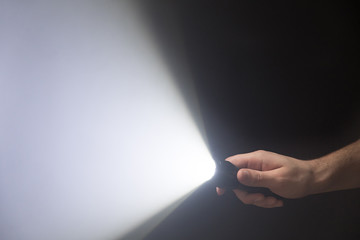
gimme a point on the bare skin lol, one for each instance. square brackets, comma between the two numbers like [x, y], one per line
[293, 178]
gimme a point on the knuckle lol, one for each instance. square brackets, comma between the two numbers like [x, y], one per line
[258, 178]
[260, 153]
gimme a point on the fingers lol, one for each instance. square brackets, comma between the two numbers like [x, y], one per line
[248, 198]
[254, 178]
[245, 160]
[258, 160]
[258, 199]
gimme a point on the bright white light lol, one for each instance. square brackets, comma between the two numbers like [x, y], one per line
[94, 136]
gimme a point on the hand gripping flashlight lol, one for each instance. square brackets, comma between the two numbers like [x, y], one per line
[226, 178]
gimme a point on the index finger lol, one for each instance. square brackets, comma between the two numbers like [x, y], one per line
[246, 160]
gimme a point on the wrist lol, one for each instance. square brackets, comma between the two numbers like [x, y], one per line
[337, 170]
[320, 176]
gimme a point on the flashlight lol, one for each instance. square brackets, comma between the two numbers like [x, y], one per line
[226, 178]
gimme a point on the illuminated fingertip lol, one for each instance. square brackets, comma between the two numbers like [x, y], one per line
[220, 191]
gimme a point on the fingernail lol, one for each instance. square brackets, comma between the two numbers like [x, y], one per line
[245, 175]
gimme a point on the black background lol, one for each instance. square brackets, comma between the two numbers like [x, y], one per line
[280, 76]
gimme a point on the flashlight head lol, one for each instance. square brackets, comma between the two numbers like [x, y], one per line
[226, 175]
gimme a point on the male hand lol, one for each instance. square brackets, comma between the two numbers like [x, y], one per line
[286, 176]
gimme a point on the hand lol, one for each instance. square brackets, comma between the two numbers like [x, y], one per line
[287, 177]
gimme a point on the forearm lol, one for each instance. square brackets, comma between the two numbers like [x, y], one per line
[337, 171]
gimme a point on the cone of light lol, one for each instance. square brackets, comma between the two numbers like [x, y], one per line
[95, 136]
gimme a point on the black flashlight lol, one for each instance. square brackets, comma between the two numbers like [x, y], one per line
[226, 178]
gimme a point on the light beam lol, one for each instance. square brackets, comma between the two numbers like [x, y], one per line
[95, 136]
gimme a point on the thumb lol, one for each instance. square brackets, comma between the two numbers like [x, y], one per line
[254, 178]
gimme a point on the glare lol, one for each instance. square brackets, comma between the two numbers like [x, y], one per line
[94, 135]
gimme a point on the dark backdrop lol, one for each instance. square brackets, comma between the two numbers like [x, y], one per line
[280, 76]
